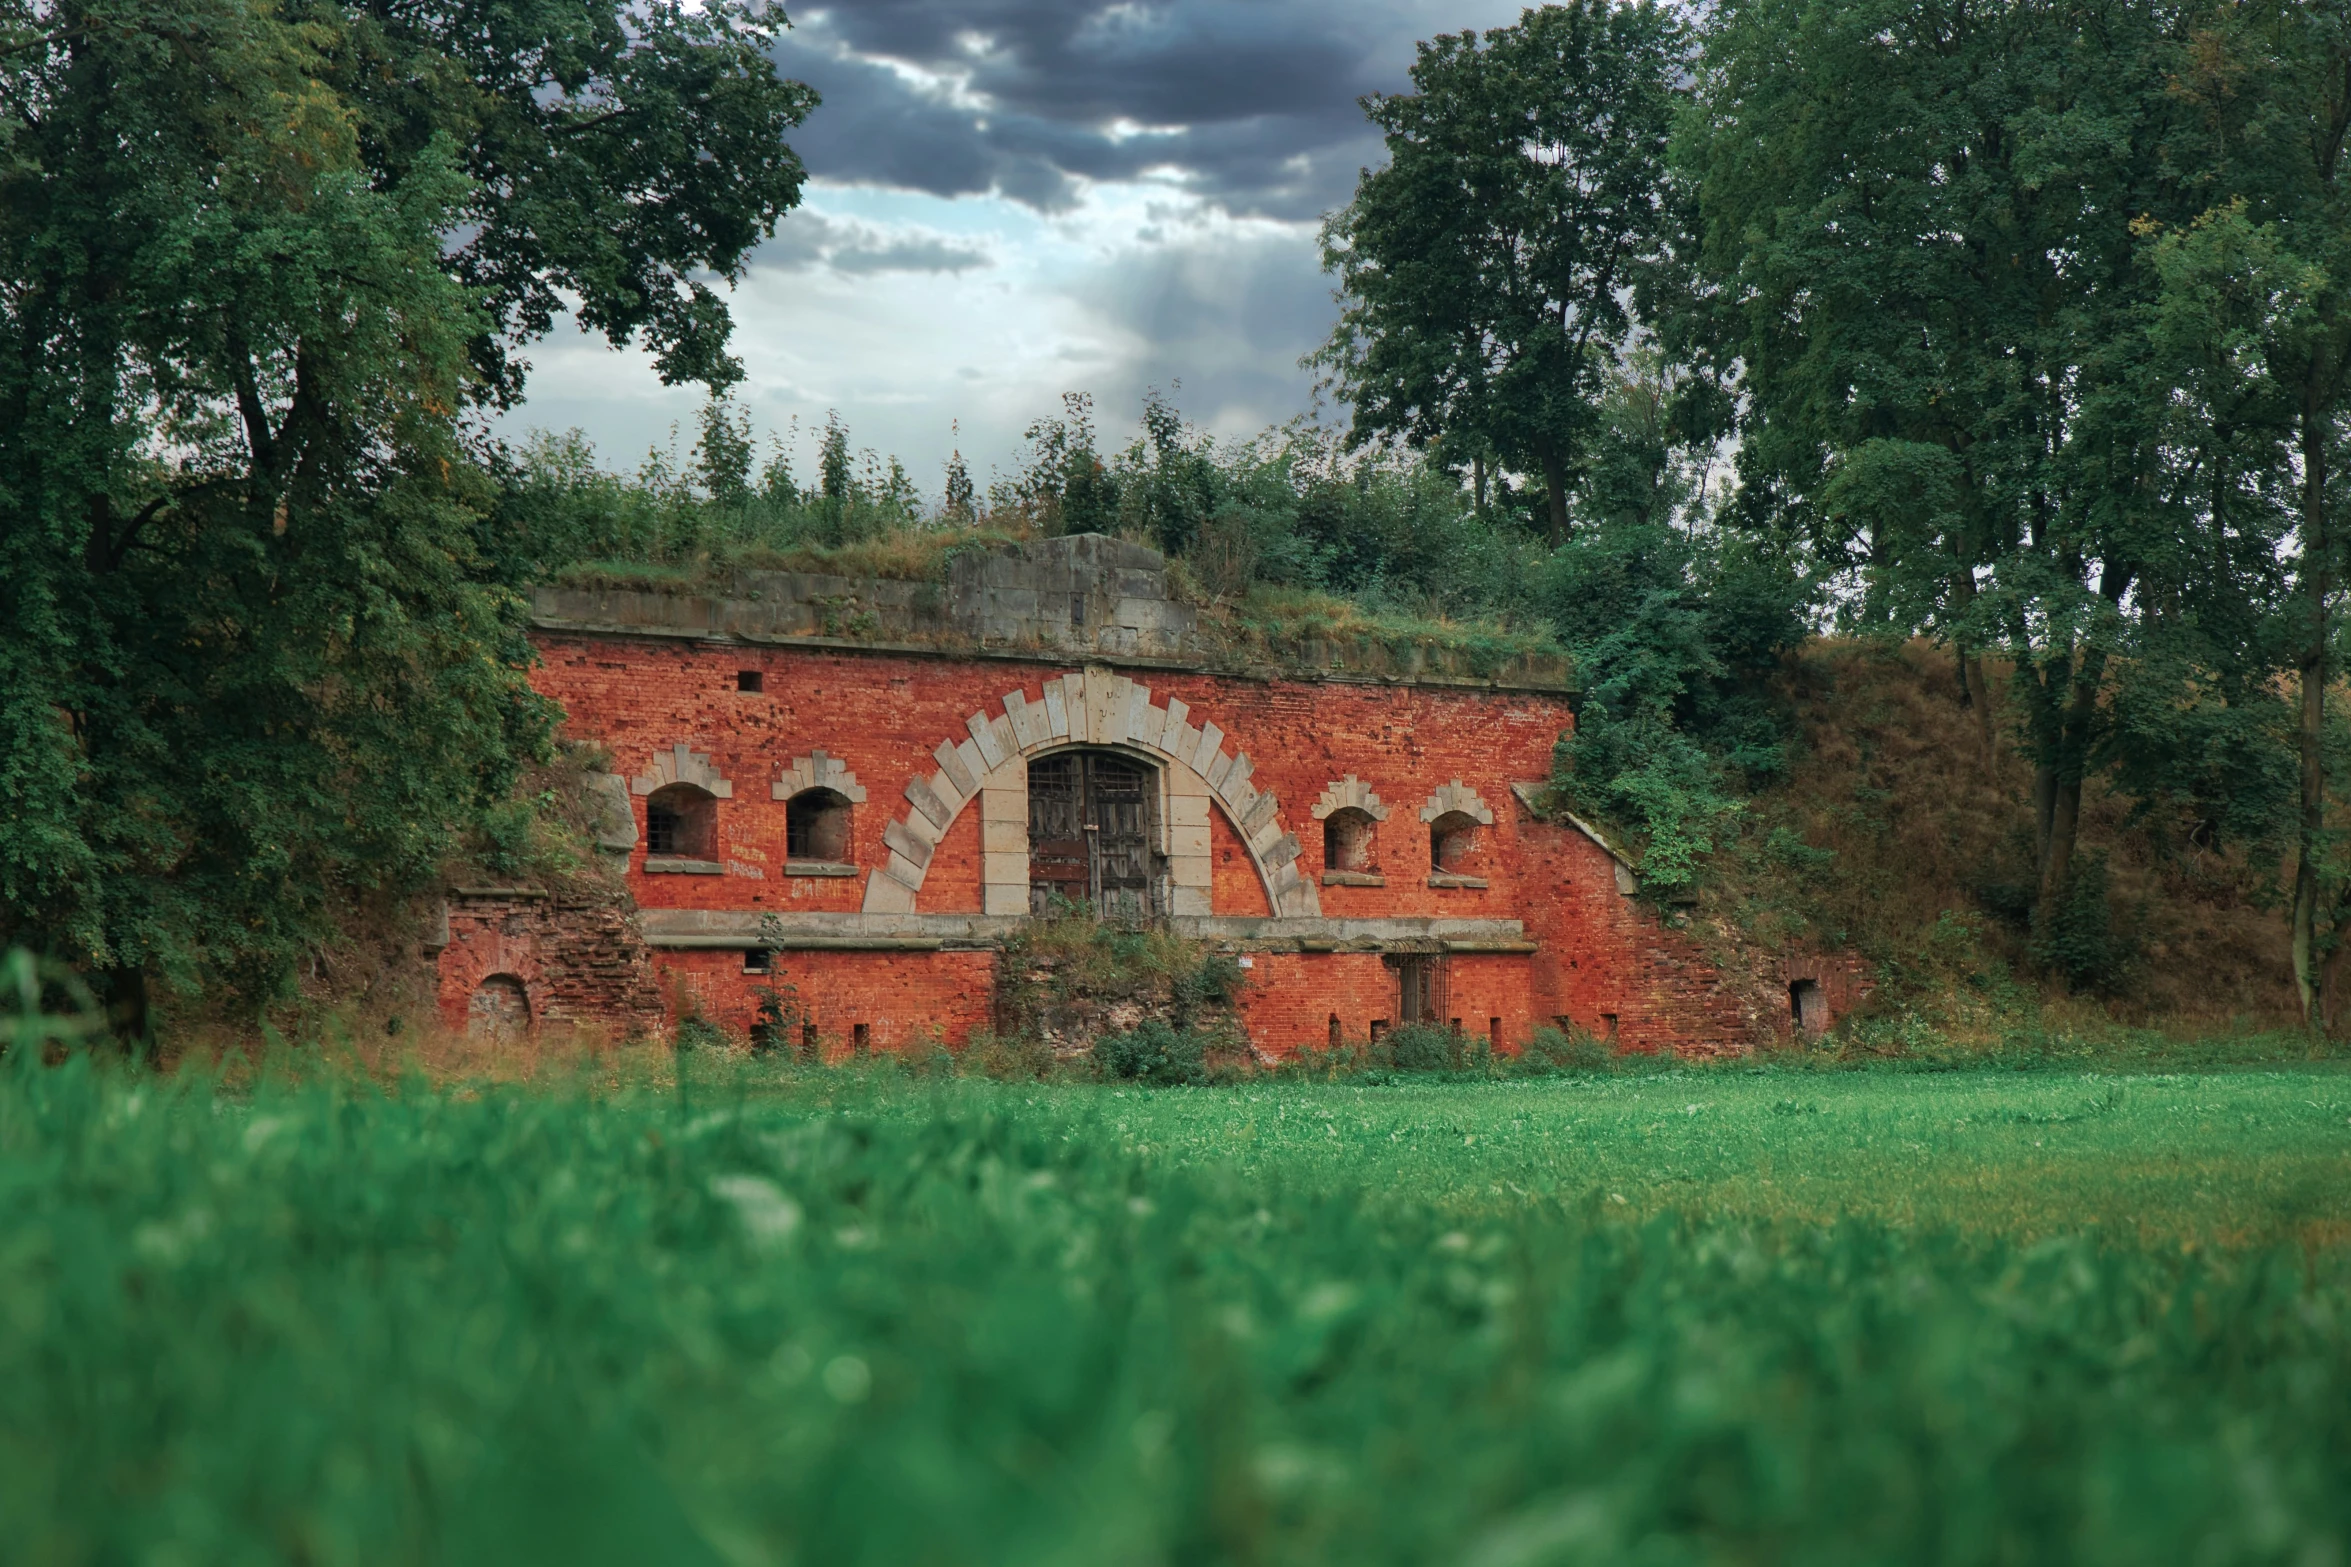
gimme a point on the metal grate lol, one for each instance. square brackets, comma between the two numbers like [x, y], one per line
[1424, 987]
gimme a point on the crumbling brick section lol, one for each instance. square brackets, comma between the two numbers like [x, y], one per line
[578, 959]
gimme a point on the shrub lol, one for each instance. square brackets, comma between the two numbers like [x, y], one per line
[1154, 1052]
[1008, 1057]
[1558, 1052]
[1424, 1047]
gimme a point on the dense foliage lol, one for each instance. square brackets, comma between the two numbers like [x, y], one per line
[1671, 336]
[255, 260]
[1506, 1324]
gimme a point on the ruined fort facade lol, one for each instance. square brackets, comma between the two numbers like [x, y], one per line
[858, 788]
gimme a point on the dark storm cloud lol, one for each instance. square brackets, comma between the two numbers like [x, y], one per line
[1253, 101]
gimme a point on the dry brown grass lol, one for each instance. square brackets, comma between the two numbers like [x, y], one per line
[1891, 777]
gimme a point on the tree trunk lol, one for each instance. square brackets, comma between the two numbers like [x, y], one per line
[2057, 783]
[1477, 470]
[121, 994]
[2317, 582]
[1986, 738]
[1555, 481]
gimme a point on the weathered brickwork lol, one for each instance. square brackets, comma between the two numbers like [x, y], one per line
[928, 752]
[902, 1000]
[576, 959]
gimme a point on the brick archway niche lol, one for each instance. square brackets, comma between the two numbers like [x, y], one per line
[1100, 710]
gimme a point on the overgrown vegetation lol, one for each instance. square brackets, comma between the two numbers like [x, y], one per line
[843, 1319]
[262, 577]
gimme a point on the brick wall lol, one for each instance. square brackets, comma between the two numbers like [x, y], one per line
[902, 999]
[576, 957]
[1600, 958]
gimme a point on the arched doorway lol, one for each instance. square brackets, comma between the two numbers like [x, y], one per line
[1094, 834]
[500, 1009]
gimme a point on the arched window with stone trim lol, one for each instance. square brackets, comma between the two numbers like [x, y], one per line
[1458, 822]
[1453, 843]
[681, 823]
[682, 790]
[1349, 841]
[818, 827]
[1350, 813]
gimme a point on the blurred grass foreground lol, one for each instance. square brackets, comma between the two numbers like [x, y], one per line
[842, 1318]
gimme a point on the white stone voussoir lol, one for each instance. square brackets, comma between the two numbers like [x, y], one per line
[1101, 708]
[681, 764]
[817, 771]
[1457, 796]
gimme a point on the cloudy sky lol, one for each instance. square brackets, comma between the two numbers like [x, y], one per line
[1014, 198]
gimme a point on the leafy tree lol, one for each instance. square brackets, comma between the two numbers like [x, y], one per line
[832, 460]
[1484, 272]
[722, 456]
[1923, 230]
[2258, 304]
[256, 652]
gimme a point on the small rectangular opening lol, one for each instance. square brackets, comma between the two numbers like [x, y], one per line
[1338, 1035]
[808, 1038]
[1379, 1026]
[1455, 1023]
[860, 1036]
[1494, 1032]
[750, 680]
[757, 961]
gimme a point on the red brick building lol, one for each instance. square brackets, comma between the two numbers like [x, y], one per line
[862, 786]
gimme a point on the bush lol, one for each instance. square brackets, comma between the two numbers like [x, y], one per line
[699, 1034]
[1154, 1052]
[1424, 1047]
[1558, 1052]
[1008, 1057]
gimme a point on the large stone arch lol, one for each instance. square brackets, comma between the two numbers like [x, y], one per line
[1098, 708]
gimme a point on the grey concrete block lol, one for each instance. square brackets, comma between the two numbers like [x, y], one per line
[920, 794]
[906, 843]
[951, 763]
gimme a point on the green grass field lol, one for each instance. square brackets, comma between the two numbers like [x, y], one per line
[1706, 1316]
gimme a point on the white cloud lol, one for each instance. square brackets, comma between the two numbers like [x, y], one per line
[1136, 285]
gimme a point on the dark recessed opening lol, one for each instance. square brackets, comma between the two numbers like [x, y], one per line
[1379, 1026]
[1494, 1032]
[860, 1035]
[1347, 840]
[1338, 1036]
[816, 826]
[808, 1037]
[1808, 1006]
[757, 961]
[1453, 841]
[750, 680]
[681, 820]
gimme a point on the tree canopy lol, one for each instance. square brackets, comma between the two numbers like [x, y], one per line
[255, 263]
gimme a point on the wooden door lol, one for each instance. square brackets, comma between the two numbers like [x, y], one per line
[1092, 834]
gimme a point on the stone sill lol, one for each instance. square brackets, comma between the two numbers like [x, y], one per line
[818, 868]
[1447, 879]
[671, 865]
[1353, 879]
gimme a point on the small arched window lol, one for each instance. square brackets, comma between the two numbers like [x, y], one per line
[1453, 844]
[1347, 841]
[816, 827]
[681, 822]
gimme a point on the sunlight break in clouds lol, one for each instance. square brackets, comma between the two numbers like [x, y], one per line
[1016, 198]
